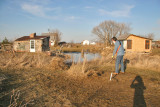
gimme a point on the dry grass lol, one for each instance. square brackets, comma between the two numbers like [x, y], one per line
[55, 89]
[79, 48]
[16, 102]
[155, 51]
[99, 66]
[143, 61]
[31, 60]
[138, 60]
[83, 84]
[95, 68]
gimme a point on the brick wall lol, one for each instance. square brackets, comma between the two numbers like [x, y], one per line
[21, 46]
[24, 46]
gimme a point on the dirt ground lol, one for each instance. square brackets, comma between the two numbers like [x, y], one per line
[40, 88]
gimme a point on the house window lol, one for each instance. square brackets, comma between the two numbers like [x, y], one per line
[32, 44]
[147, 44]
[129, 44]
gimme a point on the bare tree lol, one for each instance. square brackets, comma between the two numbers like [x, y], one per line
[72, 42]
[108, 29]
[150, 35]
[55, 35]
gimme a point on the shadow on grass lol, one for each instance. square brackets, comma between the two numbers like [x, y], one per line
[138, 84]
[126, 61]
[6, 86]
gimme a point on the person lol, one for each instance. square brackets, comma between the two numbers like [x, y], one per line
[119, 50]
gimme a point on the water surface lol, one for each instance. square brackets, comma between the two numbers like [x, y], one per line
[79, 57]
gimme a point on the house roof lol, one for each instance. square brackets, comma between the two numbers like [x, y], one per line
[125, 36]
[25, 38]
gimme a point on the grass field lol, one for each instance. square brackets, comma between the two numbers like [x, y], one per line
[41, 80]
[156, 51]
[79, 48]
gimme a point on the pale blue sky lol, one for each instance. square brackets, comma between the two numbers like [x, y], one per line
[76, 18]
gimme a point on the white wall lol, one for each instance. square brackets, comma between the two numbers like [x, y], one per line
[85, 42]
[125, 44]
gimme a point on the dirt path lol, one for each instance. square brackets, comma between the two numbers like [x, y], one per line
[99, 91]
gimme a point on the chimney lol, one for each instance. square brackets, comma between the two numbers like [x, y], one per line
[32, 35]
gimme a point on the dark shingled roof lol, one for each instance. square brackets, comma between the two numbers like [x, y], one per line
[25, 38]
[125, 36]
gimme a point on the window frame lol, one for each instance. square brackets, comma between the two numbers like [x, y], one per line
[147, 44]
[129, 44]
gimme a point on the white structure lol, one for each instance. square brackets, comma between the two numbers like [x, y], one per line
[52, 42]
[85, 42]
[125, 44]
[93, 43]
[52, 38]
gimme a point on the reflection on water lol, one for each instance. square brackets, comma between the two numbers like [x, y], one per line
[79, 57]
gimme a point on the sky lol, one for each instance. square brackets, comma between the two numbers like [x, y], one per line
[76, 18]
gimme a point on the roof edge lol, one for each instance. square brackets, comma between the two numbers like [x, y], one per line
[139, 36]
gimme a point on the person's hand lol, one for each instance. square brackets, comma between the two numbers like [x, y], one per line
[112, 56]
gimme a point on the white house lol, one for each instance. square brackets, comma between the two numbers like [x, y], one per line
[52, 43]
[93, 43]
[85, 42]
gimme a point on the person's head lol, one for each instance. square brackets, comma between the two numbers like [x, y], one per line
[114, 39]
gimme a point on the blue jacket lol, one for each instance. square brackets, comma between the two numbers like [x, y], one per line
[121, 49]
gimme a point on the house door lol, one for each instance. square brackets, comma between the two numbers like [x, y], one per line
[32, 45]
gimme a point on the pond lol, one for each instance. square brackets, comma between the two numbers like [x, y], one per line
[79, 57]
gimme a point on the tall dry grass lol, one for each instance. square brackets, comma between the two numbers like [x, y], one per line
[155, 51]
[138, 60]
[86, 68]
[144, 61]
[30, 60]
[106, 63]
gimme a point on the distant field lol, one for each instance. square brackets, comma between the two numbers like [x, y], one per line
[78, 48]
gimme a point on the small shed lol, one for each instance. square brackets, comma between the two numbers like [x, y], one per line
[134, 43]
[32, 43]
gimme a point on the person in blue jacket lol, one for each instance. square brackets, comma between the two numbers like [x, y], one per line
[119, 50]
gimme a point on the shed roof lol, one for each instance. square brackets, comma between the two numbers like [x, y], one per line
[125, 36]
[25, 38]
